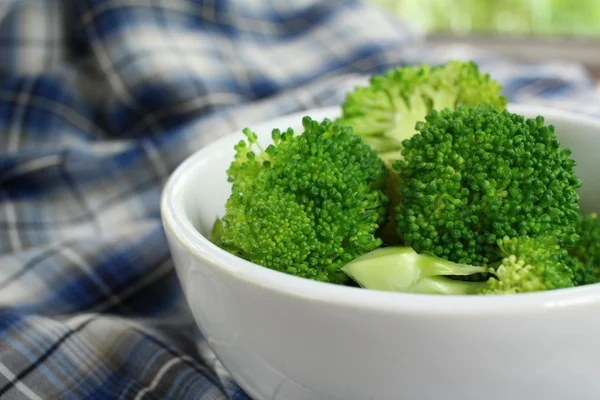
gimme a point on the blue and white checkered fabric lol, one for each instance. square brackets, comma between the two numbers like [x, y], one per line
[99, 101]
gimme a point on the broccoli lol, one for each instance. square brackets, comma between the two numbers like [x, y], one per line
[385, 112]
[308, 204]
[424, 184]
[530, 265]
[401, 269]
[526, 265]
[215, 233]
[476, 174]
[586, 251]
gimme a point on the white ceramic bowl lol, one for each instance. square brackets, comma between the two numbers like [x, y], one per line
[288, 338]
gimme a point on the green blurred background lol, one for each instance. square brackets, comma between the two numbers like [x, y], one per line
[556, 18]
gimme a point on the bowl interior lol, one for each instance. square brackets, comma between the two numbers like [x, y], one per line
[205, 188]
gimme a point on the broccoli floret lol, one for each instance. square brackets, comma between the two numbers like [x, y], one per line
[476, 174]
[530, 265]
[527, 265]
[385, 112]
[586, 252]
[583, 274]
[306, 205]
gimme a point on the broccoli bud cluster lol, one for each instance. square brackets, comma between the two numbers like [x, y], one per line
[474, 175]
[308, 204]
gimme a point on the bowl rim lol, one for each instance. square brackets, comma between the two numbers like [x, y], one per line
[180, 228]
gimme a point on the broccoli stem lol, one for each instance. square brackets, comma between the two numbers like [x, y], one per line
[216, 231]
[401, 269]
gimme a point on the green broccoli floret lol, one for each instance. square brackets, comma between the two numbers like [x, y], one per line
[476, 174]
[306, 205]
[385, 112]
[586, 252]
[527, 265]
[530, 265]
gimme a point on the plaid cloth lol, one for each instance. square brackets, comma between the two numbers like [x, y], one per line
[99, 101]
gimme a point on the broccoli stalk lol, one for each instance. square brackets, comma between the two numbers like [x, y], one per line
[401, 269]
[527, 265]
[215, 232]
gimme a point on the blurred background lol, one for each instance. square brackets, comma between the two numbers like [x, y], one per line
[526, 29]
[555, 18]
